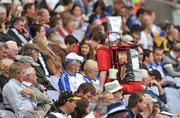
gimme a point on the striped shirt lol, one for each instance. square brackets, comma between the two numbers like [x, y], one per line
[69, 82]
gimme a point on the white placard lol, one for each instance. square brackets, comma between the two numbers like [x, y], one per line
[115, 24]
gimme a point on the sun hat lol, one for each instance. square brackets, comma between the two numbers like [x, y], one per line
[113, 86]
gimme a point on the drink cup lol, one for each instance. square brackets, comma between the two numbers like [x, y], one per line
[113, 73]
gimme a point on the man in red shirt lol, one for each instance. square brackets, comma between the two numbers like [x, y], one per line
[103, 55]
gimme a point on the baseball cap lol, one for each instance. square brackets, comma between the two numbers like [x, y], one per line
[72, 57]
[67, 96]
[26, 59]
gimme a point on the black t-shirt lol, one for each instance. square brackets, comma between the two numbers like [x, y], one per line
[3, 81]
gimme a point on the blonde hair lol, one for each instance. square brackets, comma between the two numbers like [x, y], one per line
[90, 64]
[28, 70]
[5, 63]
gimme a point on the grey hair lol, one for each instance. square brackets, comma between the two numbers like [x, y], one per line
[11, 44]
[101, 107]
[28, 70]
[3, 45]
[101, 96]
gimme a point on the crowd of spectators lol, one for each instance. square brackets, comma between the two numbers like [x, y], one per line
[68, 40]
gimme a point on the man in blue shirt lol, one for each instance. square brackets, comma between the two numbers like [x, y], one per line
[71, 78]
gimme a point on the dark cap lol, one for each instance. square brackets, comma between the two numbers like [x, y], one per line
[66, 96]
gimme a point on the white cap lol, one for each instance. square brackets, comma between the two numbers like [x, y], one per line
[73, 56]
[127, 38]
[113, 86]
[5, 1]
[59, 9]
[2, 9]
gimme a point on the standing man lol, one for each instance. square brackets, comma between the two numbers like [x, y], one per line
[103, 55]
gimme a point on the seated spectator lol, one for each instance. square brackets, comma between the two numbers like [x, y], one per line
[119, 114]
[18, 32]
[91, 71]
[71, 43]
[12, 49]
[82, 109]
[156, 113]
[146, 40]
[135, 32]
[4, 37]
[147, 82]
[155, 74]
[136, 105]
[141, 64]
[71, 79]
[54, 36]
[43, 100]
[24, 101]
[79, 17]
[4, 76]
[147, 58]
[3, 50]
[98, 112]
[99, 11]
[116, 89]
[149, 106]
[172, 36]
[171, 61]
[68, 26]
[31, 50]
[86, 51]
[86, 6]
[86, 90]
[52, 60]
[158, 54]
[44, 17]
[106, 97]
[64, 106]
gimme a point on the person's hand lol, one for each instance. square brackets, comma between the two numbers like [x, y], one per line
[42, 88]
[26, 91]
[155, 83]
[26, 33]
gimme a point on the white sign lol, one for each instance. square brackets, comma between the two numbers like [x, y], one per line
[115, 24]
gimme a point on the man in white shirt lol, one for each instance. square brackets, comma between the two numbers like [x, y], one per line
[16, 97]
